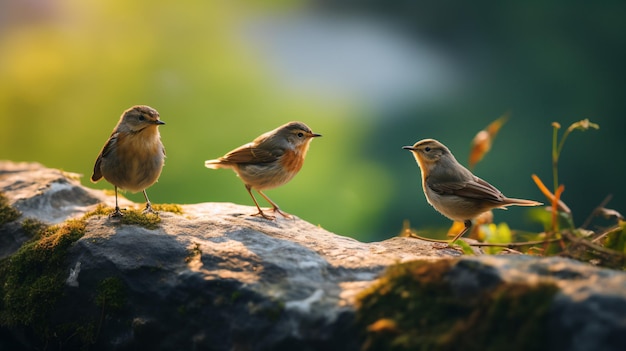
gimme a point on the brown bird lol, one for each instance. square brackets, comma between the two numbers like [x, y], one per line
[452, 189]
[133, 157]
[269, 161]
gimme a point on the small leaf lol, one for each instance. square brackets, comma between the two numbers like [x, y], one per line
[467, 249]
[481, 144]
[500, 234]
[617, 240]
[383, 325]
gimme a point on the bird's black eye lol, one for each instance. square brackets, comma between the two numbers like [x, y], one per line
[427, 148]
[300, 135]
[142, 118]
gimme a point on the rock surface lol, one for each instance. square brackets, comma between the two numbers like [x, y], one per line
[216, 278]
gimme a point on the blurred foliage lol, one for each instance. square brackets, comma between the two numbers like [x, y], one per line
[481, 144]
[69, 69]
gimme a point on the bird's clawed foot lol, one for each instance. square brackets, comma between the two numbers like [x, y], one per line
[277, 210]
[149, 209]
[262, 214]
[116, 214]
[272, 218]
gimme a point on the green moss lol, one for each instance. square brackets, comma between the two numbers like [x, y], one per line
[80, 334]
[272, 311]
[100, 210]
[7, 213]
[131, 217]
[111, 294]
[33, 228]
[236, 295]
[413, 307]
[32, 279]
[173, 208]
[136, 217]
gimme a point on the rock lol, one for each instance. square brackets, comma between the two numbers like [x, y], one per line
[494, 303]
[211, 277]
[49, 195]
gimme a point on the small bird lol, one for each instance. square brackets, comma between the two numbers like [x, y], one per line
[269, 161]
[452, 189]
[133, 157]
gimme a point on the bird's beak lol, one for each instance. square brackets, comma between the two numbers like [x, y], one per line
[408, 148]
[159, 122]
[315, 135]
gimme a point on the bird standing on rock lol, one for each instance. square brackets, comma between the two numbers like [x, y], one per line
[452, 189]
[269, 161]
[133, 157]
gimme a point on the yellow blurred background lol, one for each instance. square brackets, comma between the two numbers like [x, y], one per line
[370, 78]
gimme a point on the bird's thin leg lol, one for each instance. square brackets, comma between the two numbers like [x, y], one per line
[260, 213]
[468, 225]
[117, 212]
[148, 208]
[274, 205]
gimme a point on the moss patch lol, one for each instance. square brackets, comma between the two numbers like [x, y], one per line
[33, 227]
[100, 210]
[7, 213]
[136, 217]
[414, 307]
[173, 208]
[111, 294]
[32, 279]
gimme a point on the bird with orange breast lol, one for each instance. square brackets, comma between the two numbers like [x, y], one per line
[269, 161]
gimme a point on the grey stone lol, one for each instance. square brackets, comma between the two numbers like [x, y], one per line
[216, 278]
[588, 312]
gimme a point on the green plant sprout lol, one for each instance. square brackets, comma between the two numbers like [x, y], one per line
[557, 146]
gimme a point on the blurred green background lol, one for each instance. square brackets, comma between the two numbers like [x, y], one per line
[371, 76]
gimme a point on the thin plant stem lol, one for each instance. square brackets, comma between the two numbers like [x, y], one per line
[555, 155]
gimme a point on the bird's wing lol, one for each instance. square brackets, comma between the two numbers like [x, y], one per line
[250, 154]
[97, 173]
[474, 189]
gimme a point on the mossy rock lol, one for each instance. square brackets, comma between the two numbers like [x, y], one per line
[32, 284]
[32, 279]
[415, 306]
[138, 217]
[7, 213]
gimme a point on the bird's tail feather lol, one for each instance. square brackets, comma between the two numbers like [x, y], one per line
[522, 202]
[214, 164]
